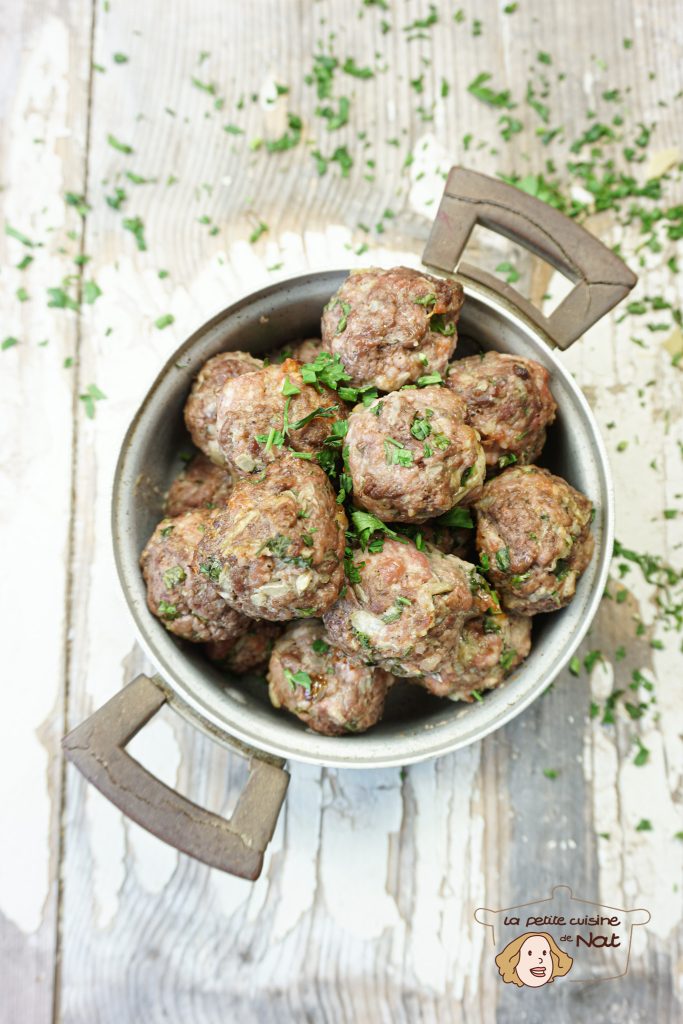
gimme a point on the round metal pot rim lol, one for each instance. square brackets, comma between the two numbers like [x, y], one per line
[483, 718]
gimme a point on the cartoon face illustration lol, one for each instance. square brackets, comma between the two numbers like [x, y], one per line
[532, 959]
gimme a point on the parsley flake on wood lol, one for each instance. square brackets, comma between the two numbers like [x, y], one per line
[483, 92]
[91, 292]
[290, 138]
[259, 230]
[19, 235]
[122, 147]
[91, 395]
[137, 228]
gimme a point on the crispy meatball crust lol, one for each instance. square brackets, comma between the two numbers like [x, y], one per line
[276, 551]
[408, 608]
[200, 408]
[202, 484]
[337, 694]
[249, 652]
[412, 456]
[490, 647]
[255, 404]
[508, 402]
[390, 327]
[533, 528]
[185, 600]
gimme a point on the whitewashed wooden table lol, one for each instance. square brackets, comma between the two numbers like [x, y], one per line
[364, 911]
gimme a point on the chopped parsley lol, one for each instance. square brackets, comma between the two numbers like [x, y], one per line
[457, 518]
[91, 395]
[288, 388]
[483, 92]
[503, 559]
[328, 370]
[211, 569]
[137, 228]
[172, 577]
[396, 453]
[421, 428]
[365, 524]
[299, 678]
[440, 325]
[122, 147]
[167, 611]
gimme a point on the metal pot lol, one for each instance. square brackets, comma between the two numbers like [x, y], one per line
[416, 726]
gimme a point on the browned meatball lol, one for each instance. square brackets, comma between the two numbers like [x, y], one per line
[248, 652]
[260, 413]
[508, 401]
[185, 599]
[200, 408]
[406, 609]
[276, 551]
[391, 327]
[327, 689]
[412, 456]
[490, 647]
[202, 484]
[533, 537]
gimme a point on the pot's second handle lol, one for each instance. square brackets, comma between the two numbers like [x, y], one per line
[96, 747]
[601, 279]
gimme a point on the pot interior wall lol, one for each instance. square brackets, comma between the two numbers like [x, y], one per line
[415, 725]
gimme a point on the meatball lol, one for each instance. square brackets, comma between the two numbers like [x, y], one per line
[185, 599]
[202, 484]
[412, 456]
[390, 327]
[259, 412]
[508, 402]
[490, 647]
[303, 351]
[248, 652]
[404, 609]
[276, 551]
[200, 408]
[327, 689]
[533, 537]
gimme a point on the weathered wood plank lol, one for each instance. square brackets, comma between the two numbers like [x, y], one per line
[44, 52]
[364, 911]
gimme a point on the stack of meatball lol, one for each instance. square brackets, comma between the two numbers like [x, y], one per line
[323, 528]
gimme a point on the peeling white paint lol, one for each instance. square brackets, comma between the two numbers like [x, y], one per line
[107, 841]
[361, 810]
[34, 467]
[302, 818]
[157, 749]
[431, 163]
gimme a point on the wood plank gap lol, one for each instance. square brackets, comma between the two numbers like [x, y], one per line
[71, 546]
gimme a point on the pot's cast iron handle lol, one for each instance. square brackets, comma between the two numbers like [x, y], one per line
[96, 747]
[601, 279]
